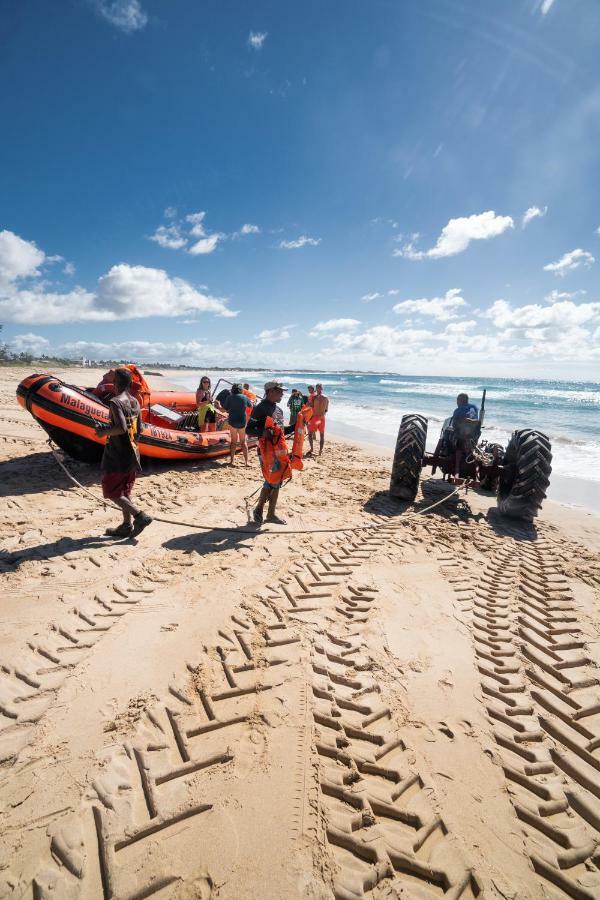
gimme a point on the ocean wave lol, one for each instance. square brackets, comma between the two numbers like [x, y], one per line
[439, 390]
[576, 396]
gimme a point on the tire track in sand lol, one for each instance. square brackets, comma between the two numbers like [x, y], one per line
[540, 689]
[381, 831]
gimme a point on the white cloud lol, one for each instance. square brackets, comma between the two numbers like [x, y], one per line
[245, 230]
[393, 292]
[332, 325]
[302, 241]
[172, 236]
[170, 212]
[441, 308]
[597, 231]
[380, 341]
[546, 6]
[69, 269]
[570, 261]
[556, 296]
[563, 315]
[29, 343]
[458, 234]
[272, 335]
[137, 350]
[460, 327]
[374, 296]
[126, 15]
[169, 236]
[256, 39]
[196, 221]
[534, 212]
[125, 292]
[18, 258]
[205, 245]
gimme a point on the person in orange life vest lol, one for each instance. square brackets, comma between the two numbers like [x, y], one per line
[257, 427]
[121, 457]
[320, 405]
[249, 394]
[311, 394]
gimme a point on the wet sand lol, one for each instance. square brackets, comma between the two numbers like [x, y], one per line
[405, 710]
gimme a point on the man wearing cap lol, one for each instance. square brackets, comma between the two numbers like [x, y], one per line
[274, 391]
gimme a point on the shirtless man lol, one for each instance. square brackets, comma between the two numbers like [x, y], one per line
[320, 405]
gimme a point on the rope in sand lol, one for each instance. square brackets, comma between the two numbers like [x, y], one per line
[254, 531]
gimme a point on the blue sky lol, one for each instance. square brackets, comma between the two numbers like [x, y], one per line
[333, 185]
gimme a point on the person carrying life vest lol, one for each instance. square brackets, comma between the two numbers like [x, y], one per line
[121, 456]
[302, 419]
[266, 424]
[274, 456]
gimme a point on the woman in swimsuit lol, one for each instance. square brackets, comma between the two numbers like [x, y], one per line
[207, 407]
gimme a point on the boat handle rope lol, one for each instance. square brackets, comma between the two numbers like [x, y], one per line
[255, 531]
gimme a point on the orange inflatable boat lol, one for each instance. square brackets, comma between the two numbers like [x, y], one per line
[68, 414]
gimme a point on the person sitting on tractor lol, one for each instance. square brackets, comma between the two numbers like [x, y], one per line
[464, 409]
[465, 425]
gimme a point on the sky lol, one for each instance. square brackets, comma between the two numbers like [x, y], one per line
[401, 185]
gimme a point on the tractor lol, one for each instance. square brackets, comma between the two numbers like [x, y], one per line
[519, 474]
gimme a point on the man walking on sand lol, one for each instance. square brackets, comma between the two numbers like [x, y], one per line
[256, 426]
[121, 457]
[320, 405]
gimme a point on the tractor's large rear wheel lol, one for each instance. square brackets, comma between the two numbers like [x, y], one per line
[525, 475]
[408, 458]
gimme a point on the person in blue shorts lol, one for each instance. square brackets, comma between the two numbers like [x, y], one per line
[237, 405]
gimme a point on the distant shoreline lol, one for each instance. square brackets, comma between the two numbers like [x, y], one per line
[52, 362]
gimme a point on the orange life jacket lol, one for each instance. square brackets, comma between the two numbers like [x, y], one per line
[274, 456]
[138, 388]
[249, 395]
[304, 416]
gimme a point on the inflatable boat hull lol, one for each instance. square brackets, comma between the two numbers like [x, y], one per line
[68, 414]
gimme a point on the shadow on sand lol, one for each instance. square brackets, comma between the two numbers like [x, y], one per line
[40, 552]
[39, 472]
[433, 490]
[456, 508]
[214, 541]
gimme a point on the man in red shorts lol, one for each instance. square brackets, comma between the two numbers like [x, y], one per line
[121, 457]
[320, 405]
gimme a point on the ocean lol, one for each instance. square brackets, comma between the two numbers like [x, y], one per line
[369, 407]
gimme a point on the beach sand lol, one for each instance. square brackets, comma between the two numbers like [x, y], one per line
[409, 710]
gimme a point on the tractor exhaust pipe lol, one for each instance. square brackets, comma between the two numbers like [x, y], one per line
[482, 410]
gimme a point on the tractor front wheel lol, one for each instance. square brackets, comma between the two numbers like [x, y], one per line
[525, 474]
[408, 458]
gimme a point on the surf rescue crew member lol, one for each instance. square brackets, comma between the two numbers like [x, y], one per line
[121, 457]
[320, 405]
[267, 408]
[237, 405]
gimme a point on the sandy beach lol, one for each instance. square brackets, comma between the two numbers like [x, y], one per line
[405, 709]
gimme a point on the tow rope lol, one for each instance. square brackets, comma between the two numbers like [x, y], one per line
[254, 531]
